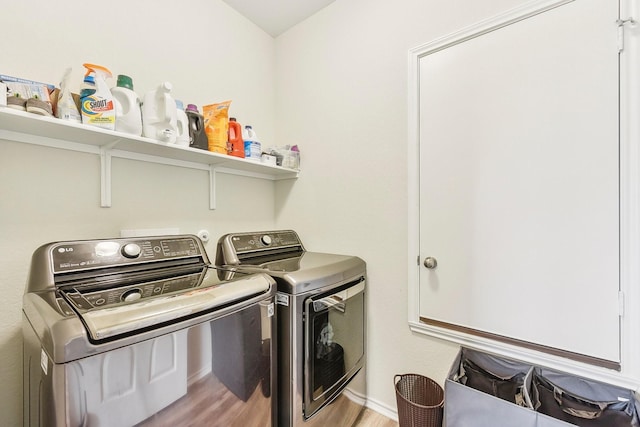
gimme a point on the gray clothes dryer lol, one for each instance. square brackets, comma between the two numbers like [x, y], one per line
[321, 324]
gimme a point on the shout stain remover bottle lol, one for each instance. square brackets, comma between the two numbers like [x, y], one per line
[97, 107]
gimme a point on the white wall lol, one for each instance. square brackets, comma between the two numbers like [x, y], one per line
[208, 52]
[338, 86]
[342, 95]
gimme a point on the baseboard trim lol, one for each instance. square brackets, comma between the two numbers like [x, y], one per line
[381, 408]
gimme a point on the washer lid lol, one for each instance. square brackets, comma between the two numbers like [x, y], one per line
[103, 323]
[68, 331]
[311, 270]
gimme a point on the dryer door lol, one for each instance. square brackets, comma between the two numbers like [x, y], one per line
[334, 342]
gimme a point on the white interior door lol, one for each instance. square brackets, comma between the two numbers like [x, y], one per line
[519, 181]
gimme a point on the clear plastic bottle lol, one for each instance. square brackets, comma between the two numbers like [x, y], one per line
[66, 108]
[128, 110]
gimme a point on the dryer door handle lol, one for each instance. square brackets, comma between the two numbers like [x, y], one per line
[338, 299]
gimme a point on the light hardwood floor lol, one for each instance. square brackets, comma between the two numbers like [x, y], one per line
[209, 399]
[371, 418]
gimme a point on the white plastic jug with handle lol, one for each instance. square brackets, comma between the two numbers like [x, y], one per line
[252, 147]
[159, 114]
[128, 111]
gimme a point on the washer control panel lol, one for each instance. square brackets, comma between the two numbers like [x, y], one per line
[106, 297]
[84, 255]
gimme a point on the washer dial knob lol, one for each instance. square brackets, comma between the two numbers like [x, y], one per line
[266, 240]
[131, 250]
[131, 295]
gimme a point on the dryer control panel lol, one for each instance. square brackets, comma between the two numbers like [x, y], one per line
[256, 241]
[233, 249]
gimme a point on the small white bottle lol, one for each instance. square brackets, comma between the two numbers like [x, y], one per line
[252, 148]
[160, 115]
[182, 138]
[128, 110]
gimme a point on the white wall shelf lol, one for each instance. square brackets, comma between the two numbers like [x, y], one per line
[30, 128]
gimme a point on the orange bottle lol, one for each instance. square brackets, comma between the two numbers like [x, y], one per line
[235, 147]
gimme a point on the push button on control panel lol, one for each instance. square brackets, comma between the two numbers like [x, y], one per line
[131, 250]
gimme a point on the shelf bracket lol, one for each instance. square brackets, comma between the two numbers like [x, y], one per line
[105, 177]
[212, 187]
[105, 173]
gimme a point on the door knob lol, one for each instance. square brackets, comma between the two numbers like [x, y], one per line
[430, 262]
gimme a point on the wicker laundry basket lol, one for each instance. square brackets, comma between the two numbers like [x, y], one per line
[420, 401]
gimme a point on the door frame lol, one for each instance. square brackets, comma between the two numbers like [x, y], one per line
[629, 87]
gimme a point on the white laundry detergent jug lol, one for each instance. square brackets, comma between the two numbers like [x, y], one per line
[159, 114]
[128, 111]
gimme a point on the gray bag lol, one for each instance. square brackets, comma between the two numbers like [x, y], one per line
[583, 402]
[509, 387]
[484, 390]
[473, 401]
